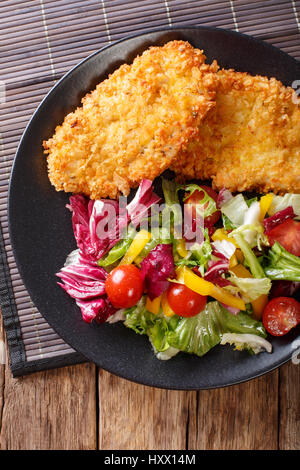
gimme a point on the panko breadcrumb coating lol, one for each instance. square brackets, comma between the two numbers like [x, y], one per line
[134, 124]
[250, 140]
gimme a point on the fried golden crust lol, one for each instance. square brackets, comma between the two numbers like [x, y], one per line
[133, 125]
[250, 140]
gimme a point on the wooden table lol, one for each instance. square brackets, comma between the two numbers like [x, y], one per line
[82, 407]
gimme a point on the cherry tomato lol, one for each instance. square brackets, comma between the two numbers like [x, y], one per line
[124, 286]
[280, 315]
[185, 302]
[196, 198]
[288, 235]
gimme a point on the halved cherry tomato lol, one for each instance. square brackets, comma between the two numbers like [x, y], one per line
[288, 235]
[196, 198]
[281, 315]
[185, 302]
[124, 286]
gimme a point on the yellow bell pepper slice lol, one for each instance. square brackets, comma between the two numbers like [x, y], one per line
[203, 287]
[241, 271]
[258, 304]
[222, 234]
[226, 298]
[233, 261]
[180, 247]
[153, 306]
[167, 311]
[265, 203]
[138, 243]
[239, 255]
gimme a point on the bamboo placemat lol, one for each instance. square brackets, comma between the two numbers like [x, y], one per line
[40, 40]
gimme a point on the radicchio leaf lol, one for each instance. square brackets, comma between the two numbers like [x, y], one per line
[142, 201]
[95, 309]
[99, 225]
[87, 217]
[278, 218]
[156, 268]
[86, 284]
[223, 197]
[215, 271]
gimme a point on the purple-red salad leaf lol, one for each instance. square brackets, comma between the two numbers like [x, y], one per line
[142, 201]
[85, 271]
[95, 309]
[156, 268]
[215, 271]
[99, 225]
[278, 218]
[85, 217]
[223, 249]
[223, 197]
[86, 284]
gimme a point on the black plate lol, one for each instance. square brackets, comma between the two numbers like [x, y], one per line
[41, 232]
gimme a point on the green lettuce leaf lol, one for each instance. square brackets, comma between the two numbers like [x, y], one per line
[202, 253]
[282, 265]
[156, 327]
[250, 200]
[172, 213]
[235, 209]
[227, 224]
[197, 335]
[252, 343]
[207, 206]
[118, 251]
[250, 259]
[251, 288]
[282, 202]
[187, 261]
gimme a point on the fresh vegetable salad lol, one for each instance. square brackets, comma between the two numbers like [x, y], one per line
[190, 270]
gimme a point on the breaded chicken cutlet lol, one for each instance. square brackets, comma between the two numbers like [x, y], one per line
[134, 124]
[250, 140]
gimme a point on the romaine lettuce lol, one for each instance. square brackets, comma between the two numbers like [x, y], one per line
[250, 258]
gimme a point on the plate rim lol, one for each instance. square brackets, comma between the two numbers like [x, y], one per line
[155, 384]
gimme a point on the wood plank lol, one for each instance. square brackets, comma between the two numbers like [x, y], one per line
[240, 417]
[289, 425]
[136, 417]
[2, 375]
[49, 410]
